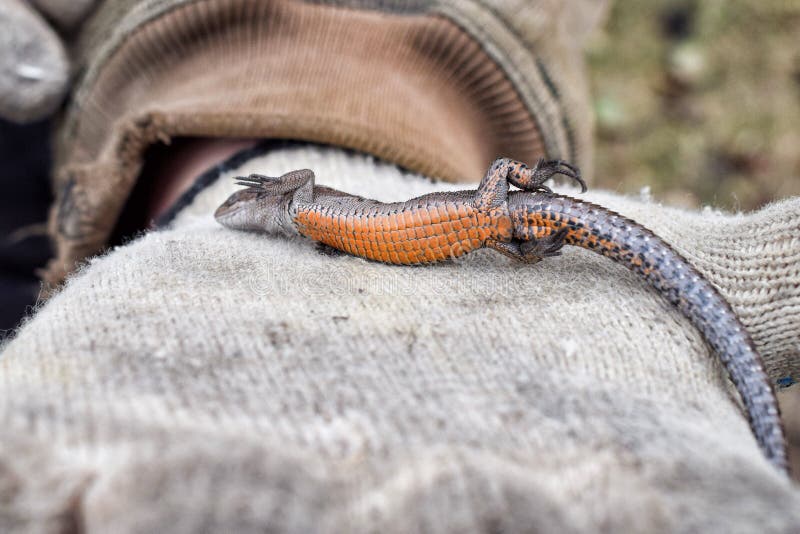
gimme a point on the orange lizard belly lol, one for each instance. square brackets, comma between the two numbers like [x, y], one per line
[412, 236]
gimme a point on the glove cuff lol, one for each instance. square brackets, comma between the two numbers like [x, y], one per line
[441, 88]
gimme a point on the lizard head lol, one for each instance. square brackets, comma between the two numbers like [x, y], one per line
[258, 207]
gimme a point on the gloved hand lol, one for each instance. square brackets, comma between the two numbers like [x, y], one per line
[34, 68]
[200, 378]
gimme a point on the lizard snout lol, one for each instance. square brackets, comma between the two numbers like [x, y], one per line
[235, 206]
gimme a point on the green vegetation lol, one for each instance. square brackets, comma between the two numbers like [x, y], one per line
[700, 100]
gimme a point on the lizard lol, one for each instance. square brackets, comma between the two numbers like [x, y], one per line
[526, 224]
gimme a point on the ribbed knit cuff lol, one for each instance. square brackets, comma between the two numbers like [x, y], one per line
[441, 88]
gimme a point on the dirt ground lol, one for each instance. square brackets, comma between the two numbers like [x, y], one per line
[699, 101]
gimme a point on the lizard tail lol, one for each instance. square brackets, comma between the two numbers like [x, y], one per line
[608, 233]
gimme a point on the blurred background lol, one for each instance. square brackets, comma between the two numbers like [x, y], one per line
[24, 200]
[697, 103]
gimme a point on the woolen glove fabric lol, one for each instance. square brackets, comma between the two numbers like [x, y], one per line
[202, 379]
[34, 69]
[33, 64]
[441, 87]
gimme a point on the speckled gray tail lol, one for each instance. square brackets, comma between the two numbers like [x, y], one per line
[629, 243]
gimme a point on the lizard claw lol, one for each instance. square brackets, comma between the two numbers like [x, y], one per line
[255, 180]
[544, 189]
[533, 178]
[546, 169]
[545, 247]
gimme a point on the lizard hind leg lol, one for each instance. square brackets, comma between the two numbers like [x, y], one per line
[544, 247]
[533, 179]
[492, 192]
[513, 249]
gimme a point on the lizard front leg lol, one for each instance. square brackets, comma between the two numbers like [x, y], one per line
[300, 183]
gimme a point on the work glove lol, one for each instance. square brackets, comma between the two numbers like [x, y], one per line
[201, 378]
[34, 67]
[198, 378]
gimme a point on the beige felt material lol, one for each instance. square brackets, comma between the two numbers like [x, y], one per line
[204, 379]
